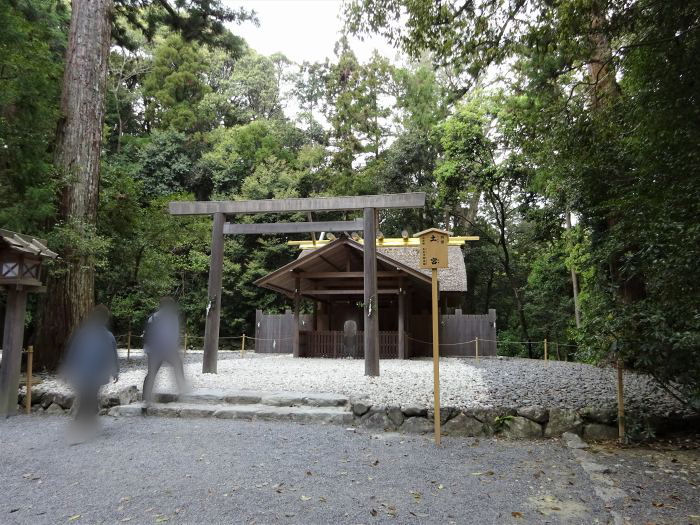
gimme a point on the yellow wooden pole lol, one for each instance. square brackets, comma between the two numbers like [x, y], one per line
[436, 358]
[477, 349]
[28, 397]
[545, 349]
[620, 403]
[243, 345]
[128, 346]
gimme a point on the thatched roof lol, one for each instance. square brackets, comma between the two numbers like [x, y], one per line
[452, 279]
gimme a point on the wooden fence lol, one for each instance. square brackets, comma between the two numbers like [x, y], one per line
[274, 333]
[337, 344]
[457, 334]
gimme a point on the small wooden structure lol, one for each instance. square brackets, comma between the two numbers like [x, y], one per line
[21, 257]
[330, 276]
[369, 204]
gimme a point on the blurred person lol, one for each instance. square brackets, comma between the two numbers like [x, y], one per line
[162, 345]
[90, 362]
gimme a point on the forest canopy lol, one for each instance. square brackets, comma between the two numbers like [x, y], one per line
[565, 134]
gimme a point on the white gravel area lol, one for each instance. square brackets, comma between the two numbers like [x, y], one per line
[465, 383]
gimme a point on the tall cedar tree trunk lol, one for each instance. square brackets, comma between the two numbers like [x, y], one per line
[574, 280]
[604, 91]
[78, 144]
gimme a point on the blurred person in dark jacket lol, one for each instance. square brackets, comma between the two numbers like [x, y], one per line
[162, 345]
[90, 363]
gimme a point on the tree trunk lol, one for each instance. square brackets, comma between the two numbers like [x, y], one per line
[77, 159]
[604, 86]
[574, 280]
[604, 91]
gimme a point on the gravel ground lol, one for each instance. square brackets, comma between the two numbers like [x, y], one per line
[152, 470]
[662, 483]
[465, 383]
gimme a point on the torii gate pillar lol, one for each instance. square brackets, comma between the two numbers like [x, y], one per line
[216, 270]
[371, 302]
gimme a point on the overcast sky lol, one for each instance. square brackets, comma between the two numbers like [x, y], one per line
[301, 30]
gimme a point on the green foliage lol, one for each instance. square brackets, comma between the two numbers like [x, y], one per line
[31, 66]
[175, 86]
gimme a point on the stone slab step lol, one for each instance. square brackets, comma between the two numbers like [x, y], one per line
[249, 397]
[299, 414]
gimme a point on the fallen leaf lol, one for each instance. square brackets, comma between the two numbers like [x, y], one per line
[322, 499]
[658, 505]
[305, 498]
[308, 473]
[555, 508]
[516, 514]
[441, 486]
[375, 463]
[124, 520]
[74, 517]
[162, 519]
[373, 512]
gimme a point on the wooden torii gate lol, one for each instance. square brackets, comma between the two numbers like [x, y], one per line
[220, 209]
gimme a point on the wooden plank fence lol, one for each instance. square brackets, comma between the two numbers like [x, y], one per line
[335, 344]
[273, 333]
[455, 329]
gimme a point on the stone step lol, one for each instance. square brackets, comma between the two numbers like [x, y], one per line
[261, 412]
[249, 397]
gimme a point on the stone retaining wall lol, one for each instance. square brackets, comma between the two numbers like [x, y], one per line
[527, 422]
[62, 402]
